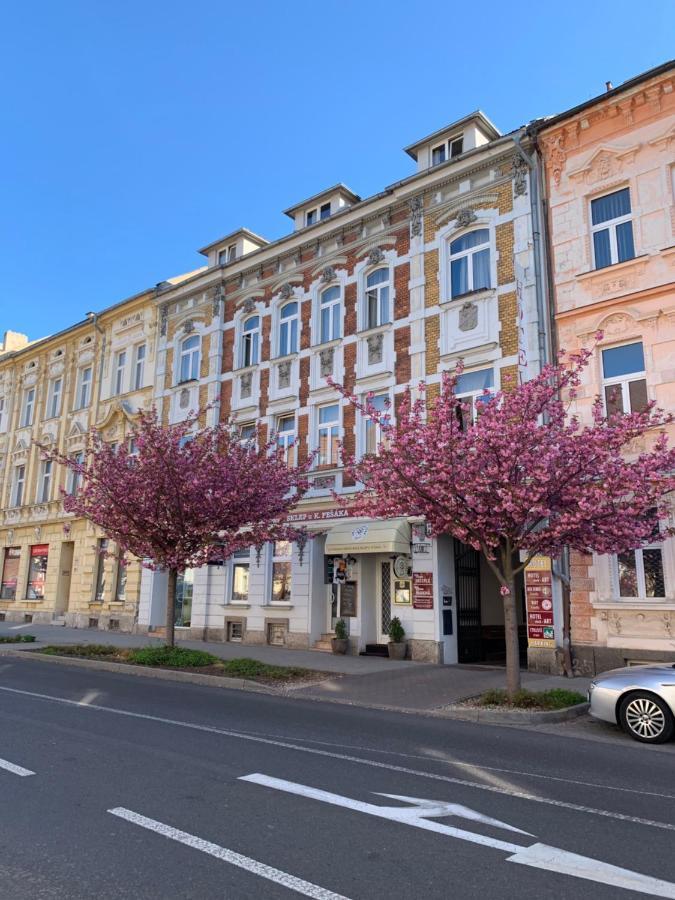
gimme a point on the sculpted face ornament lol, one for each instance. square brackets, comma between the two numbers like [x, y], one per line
[375, 256]
[328, 275]
[464, 218]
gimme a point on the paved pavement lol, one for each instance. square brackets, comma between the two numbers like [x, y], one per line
[365, 681]
[112, 787]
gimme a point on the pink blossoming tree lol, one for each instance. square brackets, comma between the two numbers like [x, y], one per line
[524, 478]
[179, 497]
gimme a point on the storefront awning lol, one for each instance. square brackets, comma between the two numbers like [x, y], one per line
[390, 536]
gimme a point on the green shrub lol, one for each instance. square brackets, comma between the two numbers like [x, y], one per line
[82, 650]
[177, 657]
[27, 638]
[252, 668]
[341, 630]
[396, 630]
[557, 698]
[17, 638]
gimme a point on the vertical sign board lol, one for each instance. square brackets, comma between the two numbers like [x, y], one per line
[423, 590]
[539, 595]
[348, 608]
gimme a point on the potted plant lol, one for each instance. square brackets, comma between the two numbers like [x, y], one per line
[340, 643]
[396, 646]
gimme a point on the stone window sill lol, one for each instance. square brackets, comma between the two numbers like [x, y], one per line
[277, 605]
[236, 605]
[480, 294]
[636, 261]
[648, 603]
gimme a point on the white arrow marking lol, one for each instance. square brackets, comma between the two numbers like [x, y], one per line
[428, 809]
[14, 769]
[540, 856]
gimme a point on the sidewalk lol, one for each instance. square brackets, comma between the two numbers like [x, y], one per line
[359, 680]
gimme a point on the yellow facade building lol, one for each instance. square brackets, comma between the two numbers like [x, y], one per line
[95, 374]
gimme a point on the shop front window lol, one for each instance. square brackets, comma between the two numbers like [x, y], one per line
[183, 603]
[281, 572]
[10, 573]
[37, 572]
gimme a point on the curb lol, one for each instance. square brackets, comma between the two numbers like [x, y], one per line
[514, 716]
[221, 681]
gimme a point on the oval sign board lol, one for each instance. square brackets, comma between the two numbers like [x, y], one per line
[359, 533]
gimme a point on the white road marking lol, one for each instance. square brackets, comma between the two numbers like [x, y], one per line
[19, 627]
[540, 856]
[14, 769]
[358, 760]
[229, 856]
[430, 808]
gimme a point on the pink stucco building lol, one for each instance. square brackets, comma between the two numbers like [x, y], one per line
[610, 195]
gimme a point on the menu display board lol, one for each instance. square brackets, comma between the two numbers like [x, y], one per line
[423, 590]
[539, 597]
[348, 602]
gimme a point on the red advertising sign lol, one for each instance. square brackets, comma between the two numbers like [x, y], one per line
[423, 590]
[539, 594]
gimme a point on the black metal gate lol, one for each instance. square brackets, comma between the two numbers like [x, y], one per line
[467, 590]
[385, 620]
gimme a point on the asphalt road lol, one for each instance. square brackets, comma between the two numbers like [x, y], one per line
[118, 787]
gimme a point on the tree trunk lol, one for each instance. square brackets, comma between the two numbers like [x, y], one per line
[170, 607]
[511, 638]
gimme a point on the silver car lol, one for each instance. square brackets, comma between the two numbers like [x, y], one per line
[639, 698]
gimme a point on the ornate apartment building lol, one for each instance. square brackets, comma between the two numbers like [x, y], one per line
[610, 185]
[95, 374]
[376, 294]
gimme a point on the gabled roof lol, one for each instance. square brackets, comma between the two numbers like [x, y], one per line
[245, 232]
[324, 195]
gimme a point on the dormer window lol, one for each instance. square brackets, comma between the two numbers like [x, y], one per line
[227, 255]
[317, 214]
[450, 148]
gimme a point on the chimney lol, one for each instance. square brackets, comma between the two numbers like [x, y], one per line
[608, 86]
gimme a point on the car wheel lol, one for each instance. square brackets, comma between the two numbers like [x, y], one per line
[646, 718]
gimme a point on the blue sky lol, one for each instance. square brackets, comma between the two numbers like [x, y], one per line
[135, 132]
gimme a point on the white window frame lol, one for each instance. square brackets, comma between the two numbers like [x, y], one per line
[328, 427]
[640, 574]
[45, 482]
[74, 478]
[451, 257]
[369, 426]
[3, 414]
[54, 397]
[318, 214]
[610, 225]
[120, 370]
[285, 347]
[227, 254]
[28, 407]
[140, 353]
[18, 484]
[189, 359]
[622, 381]
[241, 559]
[377, 290]
[285, 559]
[251, 438]
[84, 387]
[476, 394]
[286, 440]
[446, 146]
[330, 305]
[250, 342]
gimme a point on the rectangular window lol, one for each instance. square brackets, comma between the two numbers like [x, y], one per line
[10, 573]
[222, 257]
[612, 229]
[329, 434]
[377, 298]
[18, 486]
[83, 388]
[624, 378]
[330, 310]
[438, 155]
[235, 632]
[247, 433]
[37, 572]
[54, 401]
[241, 564]
[120, 366]
[281, 572]
[28, 407]
[120, 579]
[139, 367]
[286, 437]
[99, 584]
[2, 414]
[45, 483]
[457, 146]
[183, 605]
[639, 573]
[311, 217]
[471, 389]
[324, 212]
[373, 431]
[74, 478]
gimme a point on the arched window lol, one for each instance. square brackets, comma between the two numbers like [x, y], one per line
[189, 358]
[377, 298]
[250, 342]
[288, 329]
[470, 262]
[330, 314]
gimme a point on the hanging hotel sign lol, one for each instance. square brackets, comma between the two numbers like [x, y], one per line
[421, 539]
[423, 590]
[539, 595]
